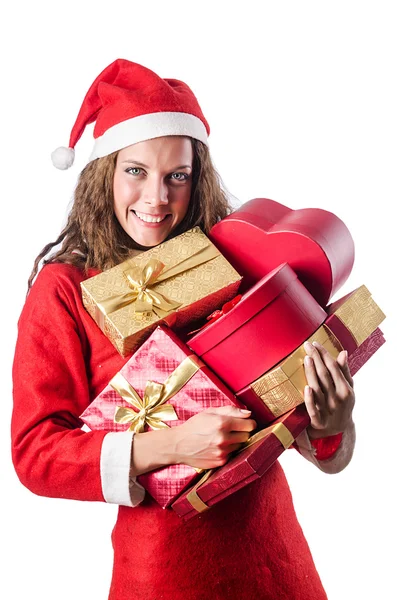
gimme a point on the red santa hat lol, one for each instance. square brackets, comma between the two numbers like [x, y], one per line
[129, 104]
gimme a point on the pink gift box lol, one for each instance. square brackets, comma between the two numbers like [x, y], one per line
[155, 361]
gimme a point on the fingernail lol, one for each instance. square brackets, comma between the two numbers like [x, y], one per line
[246, 412]
[316, 345]
[308, 347]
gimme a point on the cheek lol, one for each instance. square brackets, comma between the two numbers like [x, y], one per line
[117, 192]
[183, 203]
[122, 194]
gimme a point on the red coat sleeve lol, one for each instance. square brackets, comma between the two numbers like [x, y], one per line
[51, 454]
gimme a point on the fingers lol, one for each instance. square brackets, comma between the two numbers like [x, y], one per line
[318, 369]
[230, 411]
[342, 361]
[240, 425]
[314, 383]
[329, 396]
[232, 418]
[337, 369]
[315, 400]
[314, 412]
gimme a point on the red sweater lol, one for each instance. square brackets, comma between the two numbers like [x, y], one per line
[248, 546]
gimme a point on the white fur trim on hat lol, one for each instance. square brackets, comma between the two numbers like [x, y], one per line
[147, 127]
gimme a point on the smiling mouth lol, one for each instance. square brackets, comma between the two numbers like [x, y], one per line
[150, 218]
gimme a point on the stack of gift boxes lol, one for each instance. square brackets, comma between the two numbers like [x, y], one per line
[286, 265]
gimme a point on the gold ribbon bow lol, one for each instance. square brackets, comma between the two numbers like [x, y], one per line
[145, 299]
[152, 409]
[140, 280]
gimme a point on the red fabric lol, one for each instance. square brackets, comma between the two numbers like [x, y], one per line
[60, 362]
[248, 546]
[326, 447]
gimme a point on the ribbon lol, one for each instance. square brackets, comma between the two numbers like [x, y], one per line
[217, 314]
[279, 430]
[141, 279]
[151, 410]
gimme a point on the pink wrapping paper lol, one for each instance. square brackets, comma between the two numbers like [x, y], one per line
[155, 360]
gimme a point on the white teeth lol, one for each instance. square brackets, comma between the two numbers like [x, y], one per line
[149, 219]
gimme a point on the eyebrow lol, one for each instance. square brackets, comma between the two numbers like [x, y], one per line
[136, 162]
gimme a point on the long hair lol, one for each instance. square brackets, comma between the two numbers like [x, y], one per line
[93, 237]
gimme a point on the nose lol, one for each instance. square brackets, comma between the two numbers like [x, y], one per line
[156, 192]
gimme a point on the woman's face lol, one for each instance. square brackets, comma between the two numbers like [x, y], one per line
[152, 186]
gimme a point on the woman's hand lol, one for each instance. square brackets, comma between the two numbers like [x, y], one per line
[203, 441]
[329, 395]
[206, 439]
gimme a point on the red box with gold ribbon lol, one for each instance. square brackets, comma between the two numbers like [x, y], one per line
[250, 463]
[177, 282]
[352, 325]
[162, 385]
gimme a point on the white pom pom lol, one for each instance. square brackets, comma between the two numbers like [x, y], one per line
[63, 158]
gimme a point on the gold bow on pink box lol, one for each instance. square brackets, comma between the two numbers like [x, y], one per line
[151, 410]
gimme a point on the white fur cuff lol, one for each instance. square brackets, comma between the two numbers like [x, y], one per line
[118, 487]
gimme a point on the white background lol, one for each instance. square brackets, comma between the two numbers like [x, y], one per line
[301, 98]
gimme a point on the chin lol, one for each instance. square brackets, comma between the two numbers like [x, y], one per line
[149, 241]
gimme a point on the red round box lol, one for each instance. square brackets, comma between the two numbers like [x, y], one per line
[271, 320]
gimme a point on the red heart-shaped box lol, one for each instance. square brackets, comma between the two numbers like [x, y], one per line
[262, 234]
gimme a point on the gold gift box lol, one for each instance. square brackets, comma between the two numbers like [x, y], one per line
[282, 388]
[198, 288]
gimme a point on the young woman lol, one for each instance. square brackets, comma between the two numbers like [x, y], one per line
[150, 178]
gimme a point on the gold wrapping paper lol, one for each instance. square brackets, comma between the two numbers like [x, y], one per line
[281, 432]
[193, 271]
[360, 314]
[142, 295]
[282, 388]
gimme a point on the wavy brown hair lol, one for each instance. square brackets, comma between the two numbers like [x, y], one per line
[93, 237]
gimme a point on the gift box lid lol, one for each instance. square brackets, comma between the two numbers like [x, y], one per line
[262, 234]
[254, 301]
[248, 464]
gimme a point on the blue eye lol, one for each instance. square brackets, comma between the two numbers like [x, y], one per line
[179, 176]
[134, 170]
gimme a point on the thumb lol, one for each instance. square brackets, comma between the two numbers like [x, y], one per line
[230, 411]
[344, 366]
